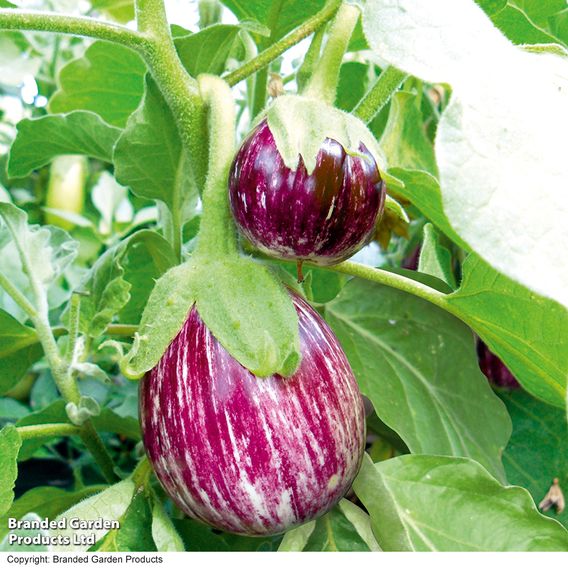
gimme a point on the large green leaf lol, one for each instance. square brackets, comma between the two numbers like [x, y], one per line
[164, 533]
[428, 503]
[108, 79]
[149, 156]
[346, 528]
[135, 532]
[33, 256]
[121, 280]
[39, 140]
[538, 450]
[10, 443]
[19, 350]
[501, 158]
[528, 332]
[110, 505]
[418, 365]
[208, 50]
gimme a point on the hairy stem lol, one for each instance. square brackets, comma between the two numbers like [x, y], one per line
[323, 82]
[47, 431]
[90, 437]
[282, 45]
[74, 314]
[393, 280]
[379, 94]
[177, 86]
[30, 20]
[217, 233]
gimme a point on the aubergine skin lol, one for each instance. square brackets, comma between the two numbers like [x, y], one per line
[250, 455]
[324, 218]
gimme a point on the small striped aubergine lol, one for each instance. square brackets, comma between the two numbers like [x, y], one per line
[250, 455]
[324, 217]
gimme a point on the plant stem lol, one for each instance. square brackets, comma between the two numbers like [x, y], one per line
[74, 314]
[217, 234]
[392, 280]
[90, 437]
[379, 94]
[17, 296]
[30, 20]
[177, 86]
[282, 45]
[47, 431]
[323, 83]
[261, 80]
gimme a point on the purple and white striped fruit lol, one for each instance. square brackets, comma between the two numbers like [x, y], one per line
[494, 369]
[253, 455]
[324, 217]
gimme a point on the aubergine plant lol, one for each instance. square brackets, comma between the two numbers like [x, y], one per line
[185, 346]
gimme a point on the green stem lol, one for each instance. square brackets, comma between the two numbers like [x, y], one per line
[261, 83]
[309, 64]
[47, 431]
[379, 94]
[90, 437]
[392, 280]
[217, 234]
[177, 86]
[323, 83]
[122, 330]
[29, 20]
[17, 296]
[282, 45]
[74, 315]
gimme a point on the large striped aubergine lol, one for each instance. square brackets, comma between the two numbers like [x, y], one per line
[324, 217]
[252, 455]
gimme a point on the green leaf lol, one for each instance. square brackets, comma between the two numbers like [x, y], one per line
[352, 86]
[434, 503]
[39, 140]
[346, 528]
[538, 450]
[108, 79]
[207, 51]
[12, 410]
[404, 140]
[290, 13]
[45, 502]
[37, 255]
[418, 365]
[149, 156]
[435, 259]
[240, 301]
[10, 443]
[19, 350]
[134, 534]
[516, 25]
[528, 332]
[164, 532]
[423, 190]
[121, 280]
[110, 505]
[495, 149]
[120, 10]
